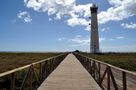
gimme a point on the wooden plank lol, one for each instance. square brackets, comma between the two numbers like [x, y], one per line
[69, 75]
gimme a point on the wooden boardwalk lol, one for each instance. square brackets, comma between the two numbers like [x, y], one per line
[69, 75]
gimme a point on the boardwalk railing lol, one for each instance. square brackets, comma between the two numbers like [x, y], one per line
[29, 77]
[108, 76]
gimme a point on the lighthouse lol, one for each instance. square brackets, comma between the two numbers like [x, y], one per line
[94, 43]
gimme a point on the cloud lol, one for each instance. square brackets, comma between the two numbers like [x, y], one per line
[59, 7]
[24, 16]
[120, 37]
[88, 28]
[120, 10]
[111, 39]
[77, 21]
[52, 7]
[105, 29]
[116, 38]
[76, 14]
[102, 39]
[129, 25]
[50, 19]
[82, 10]
[78, 36]
[79, 40]
[62, 38]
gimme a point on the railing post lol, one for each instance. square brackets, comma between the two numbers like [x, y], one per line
[55, 63]
[87, 64]
[108, 78]
[45, 70]
[40, 72]
[50, 67]
[124, 80]
[90, 67]
[93, 71]
[31, 80]
[99, 71]
[12, 85]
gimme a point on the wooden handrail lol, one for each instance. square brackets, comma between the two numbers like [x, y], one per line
[120, 69]
[26, 66]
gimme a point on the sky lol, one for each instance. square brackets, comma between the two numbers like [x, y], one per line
[62, 25]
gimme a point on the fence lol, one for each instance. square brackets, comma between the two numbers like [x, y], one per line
[29, 77]
[107, 76]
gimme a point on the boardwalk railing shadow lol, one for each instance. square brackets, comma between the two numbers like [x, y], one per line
[108, 76]
[29, 77]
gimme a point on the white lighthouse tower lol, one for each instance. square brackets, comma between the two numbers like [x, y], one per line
[94, 43]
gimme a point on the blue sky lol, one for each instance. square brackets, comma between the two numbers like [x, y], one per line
[62, 25]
